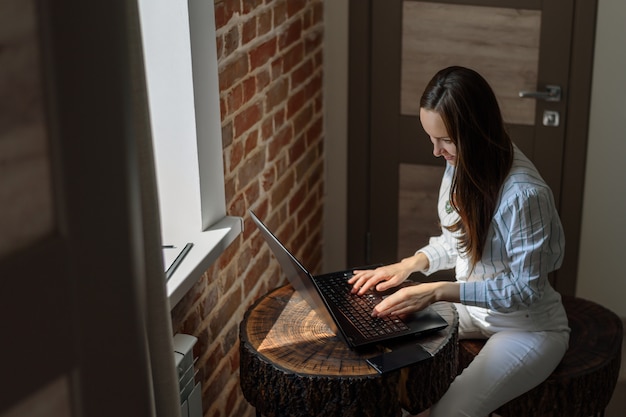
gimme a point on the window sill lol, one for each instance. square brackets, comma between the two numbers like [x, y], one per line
[207, 247]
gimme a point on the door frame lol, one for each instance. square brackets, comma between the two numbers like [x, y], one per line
[360, 153]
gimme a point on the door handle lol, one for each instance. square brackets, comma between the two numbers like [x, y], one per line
[552, 93]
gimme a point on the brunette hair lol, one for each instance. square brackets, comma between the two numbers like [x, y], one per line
[484, 151]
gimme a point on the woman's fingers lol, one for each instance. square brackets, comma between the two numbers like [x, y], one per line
[362, 281]
[404, 301]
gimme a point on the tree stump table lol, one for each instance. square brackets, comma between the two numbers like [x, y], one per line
[292, 365]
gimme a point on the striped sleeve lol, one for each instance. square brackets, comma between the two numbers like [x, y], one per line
[529, 230]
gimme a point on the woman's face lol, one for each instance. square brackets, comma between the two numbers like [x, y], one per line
[436, 130]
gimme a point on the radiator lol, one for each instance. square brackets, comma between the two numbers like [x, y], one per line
[190, 391]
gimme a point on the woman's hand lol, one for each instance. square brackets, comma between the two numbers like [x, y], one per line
[417, 297]
[387, 276]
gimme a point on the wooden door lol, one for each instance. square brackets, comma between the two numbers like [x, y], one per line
[516, 45]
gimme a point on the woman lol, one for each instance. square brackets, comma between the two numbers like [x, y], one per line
[502, 234]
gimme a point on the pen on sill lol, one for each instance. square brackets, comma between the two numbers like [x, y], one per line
[168, 246]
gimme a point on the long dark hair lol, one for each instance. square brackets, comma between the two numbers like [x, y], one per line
[484, 151]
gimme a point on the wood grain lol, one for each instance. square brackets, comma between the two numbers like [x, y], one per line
[292, 364]
[500, 43]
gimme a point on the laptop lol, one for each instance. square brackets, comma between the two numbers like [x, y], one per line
[348, 315]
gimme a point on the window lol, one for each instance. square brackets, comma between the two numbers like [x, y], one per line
[183, 95]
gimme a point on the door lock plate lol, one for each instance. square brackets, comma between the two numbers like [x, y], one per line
[550, 118]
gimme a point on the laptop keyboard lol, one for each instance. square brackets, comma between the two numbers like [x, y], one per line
[358, 308]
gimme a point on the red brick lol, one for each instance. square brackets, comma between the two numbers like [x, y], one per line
[226, 259]
[318, 58]
[262, 80]
[269, 178]
[282, 165]
[262, 53]
[229, 340]
[264, 22]
[267, 129]
[221, 375]
[315, 131]
[219, 45]
[210, 359]
[297, 199]
[241, 406]
[251, 142]
[227, 307]
[249, 88]
[295, 103]
[229, 188]
[301, 74]
[257, 268]
[307, 19]
[317, 215]
[233, 6]
[249, 30]
[224, 11]
[252, 193]
[272, 131]
[276, 95]
[243, 259]
[314, 86]
[222, 108]
[231, 40]
[295, 6]
[298, 241]
[231, 399]
[279, 118]
[249, 171]
[282, 189]
[221, 15]
[297, 149]
[281, 139]
[234, 99]
[280, 12]
[277, 68]
[235, 156]
[232, 72]
[293, 57]
[249, 5]
[318, 12]
[210, 301]
[247, 118]
[227, 134]
[306, 165]
[319, 105]
[291, 35]
[229, 278]
[313, 41]
[303, 120]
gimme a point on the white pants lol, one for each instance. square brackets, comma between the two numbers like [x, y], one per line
[511, 363]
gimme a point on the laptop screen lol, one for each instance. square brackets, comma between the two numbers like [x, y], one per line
[297, 274]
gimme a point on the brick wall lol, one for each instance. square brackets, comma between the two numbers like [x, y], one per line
[270, 75]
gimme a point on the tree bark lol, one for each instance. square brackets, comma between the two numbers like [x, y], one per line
[293, 365]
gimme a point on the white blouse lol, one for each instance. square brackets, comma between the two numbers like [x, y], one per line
[509, 287]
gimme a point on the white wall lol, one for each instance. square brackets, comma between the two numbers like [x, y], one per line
[601, 275]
